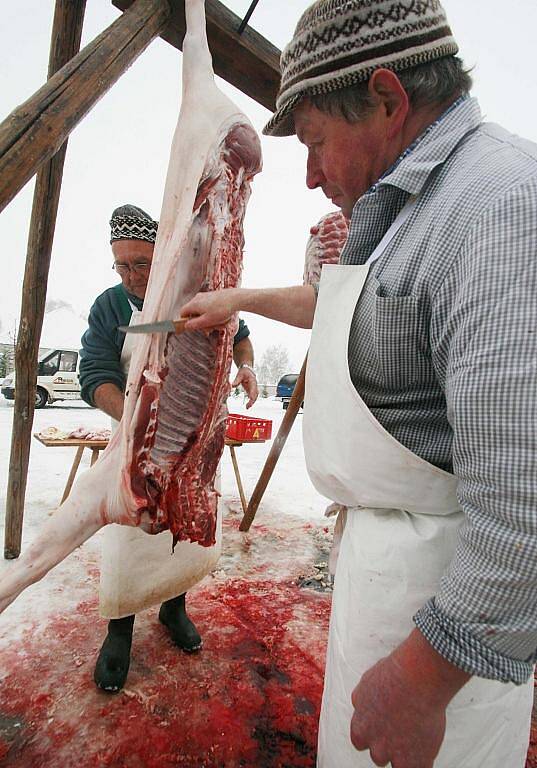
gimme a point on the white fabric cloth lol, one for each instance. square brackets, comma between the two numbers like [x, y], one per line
[400, 534]
[139, 570]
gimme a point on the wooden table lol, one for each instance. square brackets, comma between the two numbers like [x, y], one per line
[232, 445]
[95, 446]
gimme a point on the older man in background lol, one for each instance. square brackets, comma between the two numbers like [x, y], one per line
[105, 359]
[424, 338]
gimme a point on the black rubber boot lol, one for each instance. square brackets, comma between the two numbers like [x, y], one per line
[182, 630]
[114, 657]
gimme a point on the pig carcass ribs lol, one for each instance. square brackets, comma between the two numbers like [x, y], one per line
[158, 470]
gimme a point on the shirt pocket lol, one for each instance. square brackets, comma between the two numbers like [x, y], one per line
[401, 340]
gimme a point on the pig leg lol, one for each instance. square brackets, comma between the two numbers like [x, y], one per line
[79, 517]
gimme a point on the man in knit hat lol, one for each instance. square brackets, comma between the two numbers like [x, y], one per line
[424, 335]
[104, 366]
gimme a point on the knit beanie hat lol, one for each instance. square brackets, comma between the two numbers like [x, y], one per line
[338, 43]
[129, 222]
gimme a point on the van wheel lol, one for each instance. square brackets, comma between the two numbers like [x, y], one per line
[41, 397]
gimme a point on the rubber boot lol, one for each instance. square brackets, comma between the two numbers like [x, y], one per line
[182, 630]
[114, 657]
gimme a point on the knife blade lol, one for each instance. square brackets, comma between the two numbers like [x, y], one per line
[164, 326]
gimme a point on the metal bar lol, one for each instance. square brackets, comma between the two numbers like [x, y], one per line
[246, 19]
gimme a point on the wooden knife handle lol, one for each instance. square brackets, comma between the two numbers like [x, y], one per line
[180, 324]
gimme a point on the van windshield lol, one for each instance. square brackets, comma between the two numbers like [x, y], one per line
[289, 380]
[54, 360]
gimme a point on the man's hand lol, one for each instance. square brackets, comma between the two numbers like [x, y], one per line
[400, 705]
[210, 309]
[246, 379]
[243, 357]
[394, 721]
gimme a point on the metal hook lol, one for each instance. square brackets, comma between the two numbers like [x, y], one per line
[249, 12]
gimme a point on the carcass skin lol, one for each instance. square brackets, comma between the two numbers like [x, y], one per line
[326, 242]
[158, 470]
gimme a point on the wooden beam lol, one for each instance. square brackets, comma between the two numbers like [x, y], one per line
[35, 131]
[64, 44]
[248, 60]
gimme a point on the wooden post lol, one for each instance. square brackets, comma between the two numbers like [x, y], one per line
[65, 42]
[35, 131]
[276, 448]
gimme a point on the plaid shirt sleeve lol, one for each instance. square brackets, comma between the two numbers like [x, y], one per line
[483, 331]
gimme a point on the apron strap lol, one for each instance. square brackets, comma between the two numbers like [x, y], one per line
[399, 222]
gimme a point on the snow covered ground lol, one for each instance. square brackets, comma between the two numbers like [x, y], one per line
[289, 493]
[250, 698]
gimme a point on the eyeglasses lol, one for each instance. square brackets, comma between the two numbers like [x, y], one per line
[140, 267]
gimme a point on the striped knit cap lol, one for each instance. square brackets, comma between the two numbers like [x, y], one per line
[129, 222]
[338, 43]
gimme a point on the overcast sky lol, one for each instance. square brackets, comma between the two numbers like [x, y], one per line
[119, 153]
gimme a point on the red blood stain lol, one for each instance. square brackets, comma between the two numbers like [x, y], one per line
[250, 698]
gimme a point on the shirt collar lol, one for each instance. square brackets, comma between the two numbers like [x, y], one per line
[138, 303]
[432, 148]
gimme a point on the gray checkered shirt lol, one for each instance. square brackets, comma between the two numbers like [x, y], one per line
[443, 351]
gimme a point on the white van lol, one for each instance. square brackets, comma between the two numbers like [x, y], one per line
[57, 378]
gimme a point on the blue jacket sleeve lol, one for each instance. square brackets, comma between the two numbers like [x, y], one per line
[242, 333]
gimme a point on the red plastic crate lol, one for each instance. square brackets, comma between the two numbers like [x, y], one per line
[246, 429]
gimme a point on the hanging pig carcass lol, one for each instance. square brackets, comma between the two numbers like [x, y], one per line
[158, 470]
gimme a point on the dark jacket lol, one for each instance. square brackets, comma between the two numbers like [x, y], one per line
[102, 343]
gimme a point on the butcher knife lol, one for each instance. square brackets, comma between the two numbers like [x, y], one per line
[164, 326]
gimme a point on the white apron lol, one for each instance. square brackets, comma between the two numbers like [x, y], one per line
[398, 538]
[138, 569]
